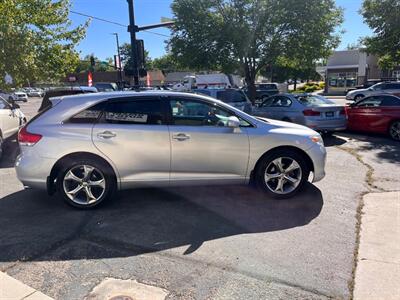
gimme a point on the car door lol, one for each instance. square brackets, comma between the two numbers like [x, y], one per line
[364, 115]
[203, 148]
[9, 119]
[132, 133]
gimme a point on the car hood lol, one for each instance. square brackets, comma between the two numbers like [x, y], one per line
[283, 124]
[358, 91]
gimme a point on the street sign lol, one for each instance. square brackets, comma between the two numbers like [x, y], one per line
[72, 79]
[8, 79]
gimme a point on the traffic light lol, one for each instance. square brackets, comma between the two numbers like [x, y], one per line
[140, 53]
[92, 61]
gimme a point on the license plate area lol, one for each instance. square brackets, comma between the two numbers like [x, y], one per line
[329, 114]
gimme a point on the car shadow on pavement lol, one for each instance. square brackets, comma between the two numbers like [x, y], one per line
[10, 152]
[333, 140]
[387, 149]
[37, 227]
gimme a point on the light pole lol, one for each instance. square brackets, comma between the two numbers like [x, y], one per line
[132, 30]
[119, 60]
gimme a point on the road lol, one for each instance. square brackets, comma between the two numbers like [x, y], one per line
[201, 242]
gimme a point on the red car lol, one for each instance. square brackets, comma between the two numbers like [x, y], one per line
[379, 114]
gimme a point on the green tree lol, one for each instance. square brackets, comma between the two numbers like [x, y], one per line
[126, 57]
[167, 63]
[248, 35]
[37, 41]
[383, 16]
[100, 65]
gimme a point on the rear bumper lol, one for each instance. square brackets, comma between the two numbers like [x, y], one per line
[32, 170]
[327, 125]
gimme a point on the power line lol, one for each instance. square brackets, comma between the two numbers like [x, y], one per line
[99, 19]
[116, 23]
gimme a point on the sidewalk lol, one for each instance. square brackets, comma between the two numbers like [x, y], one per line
[378, 267]
[12, 289]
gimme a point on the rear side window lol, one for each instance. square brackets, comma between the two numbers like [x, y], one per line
[140, 112]
[89, 115]
[231, 96]
[393, 86]
[390, 101]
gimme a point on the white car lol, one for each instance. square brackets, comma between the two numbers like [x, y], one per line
[11, 119]
[8, 96]
[21, 96]
[382, 87]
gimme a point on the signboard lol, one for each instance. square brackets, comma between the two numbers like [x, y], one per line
[72, 79]
[8, 79]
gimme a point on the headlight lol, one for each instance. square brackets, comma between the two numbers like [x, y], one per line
[317, 139]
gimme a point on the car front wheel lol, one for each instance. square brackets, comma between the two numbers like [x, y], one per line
[282, 174]
[86, 183]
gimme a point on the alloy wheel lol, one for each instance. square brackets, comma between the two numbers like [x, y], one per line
[395, 131]
[84, 184]
[283, 175]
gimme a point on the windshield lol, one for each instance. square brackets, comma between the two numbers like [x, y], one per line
[314, 100]
[231, 96]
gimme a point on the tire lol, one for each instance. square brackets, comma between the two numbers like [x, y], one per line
[92, 180]
[358, 97]
[394, 130]
[268, 165]
[1, 145]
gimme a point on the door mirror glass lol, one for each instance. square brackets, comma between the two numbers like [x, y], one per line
[233, 122]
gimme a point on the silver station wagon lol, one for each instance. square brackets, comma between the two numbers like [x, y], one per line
[87, 146]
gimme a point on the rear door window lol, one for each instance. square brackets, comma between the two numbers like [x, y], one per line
[374, 101]
[89, 115]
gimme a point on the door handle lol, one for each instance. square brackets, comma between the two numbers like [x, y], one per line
[106, 135]
[181, 137]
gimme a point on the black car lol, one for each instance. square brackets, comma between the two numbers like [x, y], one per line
[263, 91]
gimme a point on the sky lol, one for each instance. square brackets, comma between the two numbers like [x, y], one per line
[100, 41]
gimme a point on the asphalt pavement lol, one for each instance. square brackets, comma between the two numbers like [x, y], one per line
[224, 242]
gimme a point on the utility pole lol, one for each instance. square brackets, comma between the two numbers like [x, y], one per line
[119, 60]
[132, 30]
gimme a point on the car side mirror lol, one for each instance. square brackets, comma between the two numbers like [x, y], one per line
[15, 105]
[233, 122]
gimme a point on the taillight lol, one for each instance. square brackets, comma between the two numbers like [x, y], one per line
[26, 138]
[310, 112]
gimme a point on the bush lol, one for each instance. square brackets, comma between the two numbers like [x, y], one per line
[310, 89]
[322, 85]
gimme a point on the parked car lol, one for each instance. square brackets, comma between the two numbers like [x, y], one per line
[383, 87]
[35, 92]
[106, 86]
[367, 84]
[46, 103]
[7, 96]
[20, 96]
[310, 110]
[263, 91]
[234, 97]
[378, 114]
[11, 119]
[87, 146]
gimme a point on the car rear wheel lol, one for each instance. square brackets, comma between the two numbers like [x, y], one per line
[86, 183]
[394, 130]
[282, 174]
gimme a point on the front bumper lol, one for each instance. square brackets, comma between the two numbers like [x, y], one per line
[317, 154]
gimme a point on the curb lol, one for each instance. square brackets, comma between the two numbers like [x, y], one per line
[378, 262]
[12, 289]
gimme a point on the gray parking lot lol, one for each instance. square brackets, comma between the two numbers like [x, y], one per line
[200, 242]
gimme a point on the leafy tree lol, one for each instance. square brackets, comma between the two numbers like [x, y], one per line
[167, 63]
[37, 41]
[126, 57]
[383, 16]
[248, 35]
[100, 66]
